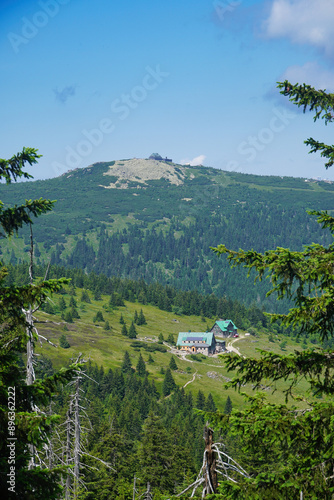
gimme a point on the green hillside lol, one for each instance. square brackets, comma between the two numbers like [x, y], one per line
[107, 347]
[118, 218]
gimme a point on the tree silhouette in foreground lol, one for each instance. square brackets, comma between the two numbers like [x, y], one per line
[288, 450]
[21, 419]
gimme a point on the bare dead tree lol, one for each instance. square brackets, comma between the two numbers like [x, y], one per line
[147, 495]
[74, 444]
[30, 321]
[215, 462]
[31, 330]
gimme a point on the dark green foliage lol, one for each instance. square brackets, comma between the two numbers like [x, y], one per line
[200, 403]
[135, 318]
[210, 404]
[172, 364]
[98, 317]
[72, 302]
[140, 368]
[121, 320]
[141, 318]
[192, 302]
[18, 401]
[284, 447]
[116, 300]
[132, 331]
[150, 359]
[196, 357]
[62, 304]
[151, 347]
[44, 367]
[63, 342]
[85, 297]
[168, 384]
[161, 244]
[228, 406]
[161, 337]
[124, 330]
[283, 345]
[156, 456]
[170, 339]
[126, 364]
[74, 313]
[48, 308]
[68, 317]
[106, 326]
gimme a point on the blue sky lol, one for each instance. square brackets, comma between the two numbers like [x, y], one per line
[87, 81]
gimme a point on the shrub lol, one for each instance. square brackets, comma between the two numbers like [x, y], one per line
[63, 342]
[98, 317]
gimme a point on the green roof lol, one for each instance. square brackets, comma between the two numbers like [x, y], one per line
[195, 337]
[224, 324]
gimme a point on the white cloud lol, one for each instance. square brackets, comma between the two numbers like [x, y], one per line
[198, 160]
[312, 74]
[303, 21]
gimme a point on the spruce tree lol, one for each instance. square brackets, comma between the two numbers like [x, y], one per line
[132, 331]
[141, 318]
[150, 359]
[85, 297]
[200, 400]
[106, 326]
[124, 330]
[68, 317]
[72, 302]
[142, 298]
[290, 443]
[98, 317]
[62, 304]
[74, 313]
[228, 406]
[210, 404]
[141, 368]
[48, 308]
[135, 318]
[121, 320]
[156, 455]
[63, 342]
[20, 392]
[172, 364]
[126, 363]
[169, 384]
[170, 339]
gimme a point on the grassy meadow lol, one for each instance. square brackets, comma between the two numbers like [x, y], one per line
[107, 347]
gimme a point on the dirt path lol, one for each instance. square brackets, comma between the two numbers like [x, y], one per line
[230, 347]
[190, 381]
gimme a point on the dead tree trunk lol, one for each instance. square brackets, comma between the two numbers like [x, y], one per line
[68, 451]
[211, 481]
[148, 494]
[215, 461]
[77, 434]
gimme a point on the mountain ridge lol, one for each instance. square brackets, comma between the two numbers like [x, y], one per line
[162, 231]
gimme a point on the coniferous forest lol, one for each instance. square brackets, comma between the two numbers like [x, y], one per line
[80, 430]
